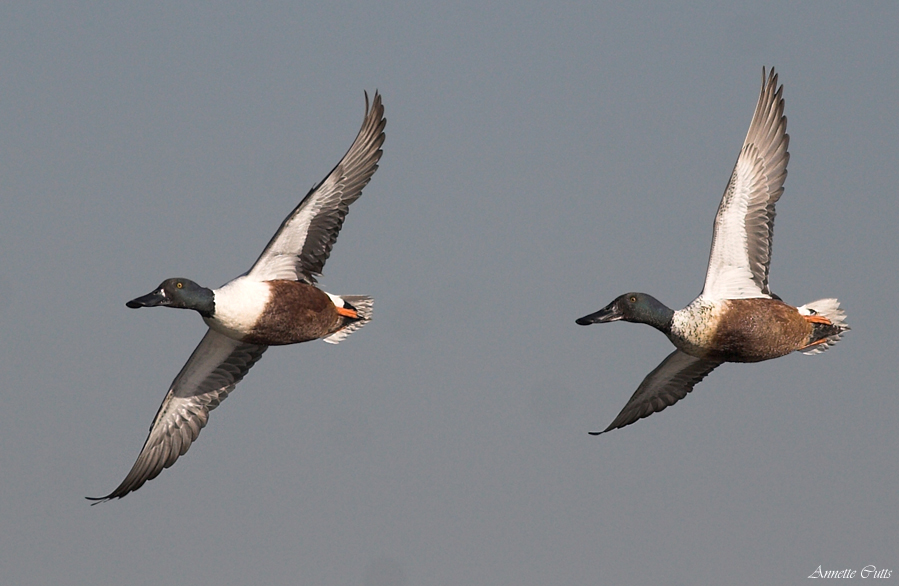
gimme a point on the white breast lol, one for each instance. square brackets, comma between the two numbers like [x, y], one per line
[238, 306]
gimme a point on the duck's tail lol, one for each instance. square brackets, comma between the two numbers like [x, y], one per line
[827, 331]
[361, 304]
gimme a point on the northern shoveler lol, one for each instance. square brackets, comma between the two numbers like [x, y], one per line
[276, 302]
[736, 318]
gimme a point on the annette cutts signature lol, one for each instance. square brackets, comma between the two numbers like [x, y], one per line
[868, 571]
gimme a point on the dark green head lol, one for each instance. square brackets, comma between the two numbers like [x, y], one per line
[179, 293]
[634, 307]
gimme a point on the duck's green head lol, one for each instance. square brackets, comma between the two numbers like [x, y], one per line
[634, 307]
[179, 293]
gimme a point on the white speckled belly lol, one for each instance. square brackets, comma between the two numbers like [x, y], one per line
[693, 327]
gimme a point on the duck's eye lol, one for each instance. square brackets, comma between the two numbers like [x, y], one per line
[179, 285]
[632, 299]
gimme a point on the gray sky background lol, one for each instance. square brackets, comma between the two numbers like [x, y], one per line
[541, 159]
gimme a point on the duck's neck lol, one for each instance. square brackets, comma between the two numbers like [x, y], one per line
[663, 323]
[202, 301]
[206, 307]
[658, 315]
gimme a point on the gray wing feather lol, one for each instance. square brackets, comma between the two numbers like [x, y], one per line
[744, 224]
[666, 385]
[211, 372]
[302, 244]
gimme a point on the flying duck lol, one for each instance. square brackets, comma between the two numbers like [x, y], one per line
[736, 318]
[276, 302]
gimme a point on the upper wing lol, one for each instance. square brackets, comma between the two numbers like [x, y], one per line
[666, 385]
[211, 372]
[300, 247]
[741, 241]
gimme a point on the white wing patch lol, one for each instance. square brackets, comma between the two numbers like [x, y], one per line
[281, 266]
[741, 240]
[302, 244]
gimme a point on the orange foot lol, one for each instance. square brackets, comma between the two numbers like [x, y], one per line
[818, 319]
[352, 314]
[806, 347]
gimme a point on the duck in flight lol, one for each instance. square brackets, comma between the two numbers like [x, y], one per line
[736, 318]
[275, 303]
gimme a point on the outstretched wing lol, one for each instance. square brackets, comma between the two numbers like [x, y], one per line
[211, 372]
[741, 241]
[666, 385]
[302, 244]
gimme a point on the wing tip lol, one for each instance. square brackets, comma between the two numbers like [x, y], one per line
[374, 110]
[118, 493]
